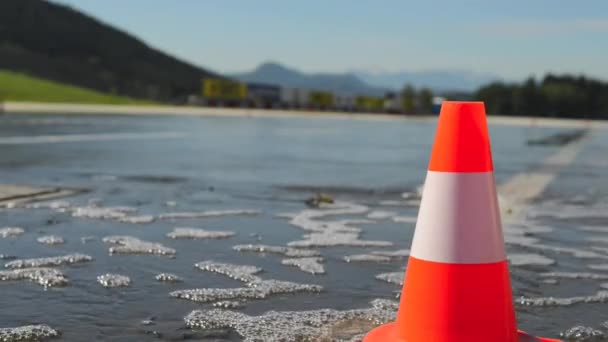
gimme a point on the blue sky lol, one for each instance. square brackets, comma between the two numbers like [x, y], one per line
[512, 39]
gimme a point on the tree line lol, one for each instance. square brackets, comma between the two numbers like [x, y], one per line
[563, 96]
[416, 101]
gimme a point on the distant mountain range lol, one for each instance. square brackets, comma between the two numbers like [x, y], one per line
[56, 42]
[274, 73]
[365, 82]
[438, 81]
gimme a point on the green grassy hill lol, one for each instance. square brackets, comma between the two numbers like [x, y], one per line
[57, 42]
[20, 87]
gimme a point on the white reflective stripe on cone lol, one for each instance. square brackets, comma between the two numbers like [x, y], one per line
[459, 220]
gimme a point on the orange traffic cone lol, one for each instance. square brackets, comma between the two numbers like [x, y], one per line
[457, 286]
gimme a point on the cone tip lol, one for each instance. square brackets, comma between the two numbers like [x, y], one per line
[462, 142]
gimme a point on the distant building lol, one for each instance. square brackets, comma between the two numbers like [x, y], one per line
[264, 95]
[223, 92]
[392, 102]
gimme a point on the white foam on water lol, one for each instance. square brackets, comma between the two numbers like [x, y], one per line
[37, 332]
[304, 326]
[47, 277]
[54, 205]
[168, 278]
[404, 219]
[603, 250]
[95, 202]
[209, 295]
[392, 203]
[143, 219]
[207, 214]
[197, 233]
[400, 253]
[349, 222]
[309, 219]
[243, 273]
[228, 304]
[259, 289]
[604, 285]
[113, 280]
[6, 232]
[7, 257]
[575, 252]
[378, 256]
[131, 245]
[598, 239]
[147, 322]
[380, 215]
[255, 287]
[581, 334]
[87, 239]
[575, 275]
[68, 259]
[594, 229]
[392, 277]
[522, 234]
[524, 259]
[286, 251]
[94, 212]
[309, 265]
[550, 281]
[51, 240]
[366, 258]
[334, 238]
[12, 205]
[598, 267]
[599, 297]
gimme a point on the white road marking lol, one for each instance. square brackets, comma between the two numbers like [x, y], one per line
[523, 187]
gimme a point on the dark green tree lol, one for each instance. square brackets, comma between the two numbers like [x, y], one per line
[408, 98]
[425, 101]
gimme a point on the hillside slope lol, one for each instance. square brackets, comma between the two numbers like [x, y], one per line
[56, 42]
[19, 87]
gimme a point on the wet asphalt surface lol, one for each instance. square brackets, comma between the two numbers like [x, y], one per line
[271, 165]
